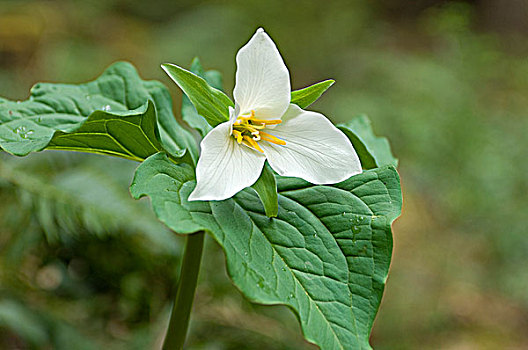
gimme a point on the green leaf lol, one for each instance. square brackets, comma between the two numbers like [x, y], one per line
[210, 103]
[326, 255]
[373, 151]
[174, 138]
[131, 135]
[214, 78]
[305, 97]
[114, 102]
[266, 188]
[197, 68]
[189, 113]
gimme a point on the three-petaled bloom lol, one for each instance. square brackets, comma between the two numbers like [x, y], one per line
[264, 125]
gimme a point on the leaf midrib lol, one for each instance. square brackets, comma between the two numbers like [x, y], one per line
[348, 269]
[344, 255]
[313, 301]
[133, 155]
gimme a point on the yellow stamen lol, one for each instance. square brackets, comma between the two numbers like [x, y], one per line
[257, 121]
[270, 138]
[252, 143]
[253, 128]
[238, 135]
[267, 121]
[248, 130]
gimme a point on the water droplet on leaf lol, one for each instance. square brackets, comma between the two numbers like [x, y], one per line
[23, 132]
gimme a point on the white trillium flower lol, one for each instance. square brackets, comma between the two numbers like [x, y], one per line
[264, 125]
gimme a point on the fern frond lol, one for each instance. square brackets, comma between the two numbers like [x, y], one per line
[86, 197]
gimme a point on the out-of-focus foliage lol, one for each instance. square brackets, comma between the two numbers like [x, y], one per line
[451, 95]
[75, 247]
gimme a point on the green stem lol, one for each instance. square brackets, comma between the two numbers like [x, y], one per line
[181, 310]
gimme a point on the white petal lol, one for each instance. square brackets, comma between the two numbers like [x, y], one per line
[224, 167]
[233, 115]
[315, 149]
[262, 79]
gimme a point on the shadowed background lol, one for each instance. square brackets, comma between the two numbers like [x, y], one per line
[446, 82]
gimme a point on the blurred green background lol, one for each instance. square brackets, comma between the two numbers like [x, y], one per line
[447, 82]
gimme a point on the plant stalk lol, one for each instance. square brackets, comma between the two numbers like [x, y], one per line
[181, 310]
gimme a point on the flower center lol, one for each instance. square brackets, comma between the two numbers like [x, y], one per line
[249, 131]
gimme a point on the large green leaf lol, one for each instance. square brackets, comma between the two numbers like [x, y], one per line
[326, 255]
[113, 108]
[210, 103]
[131, 135]
[374, 151]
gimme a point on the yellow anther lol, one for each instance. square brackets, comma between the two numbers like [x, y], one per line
[266, 121]
[254, 121]
[252, 143]
[238, 135]
[264, 136]
[248, 130]
[253, 128]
